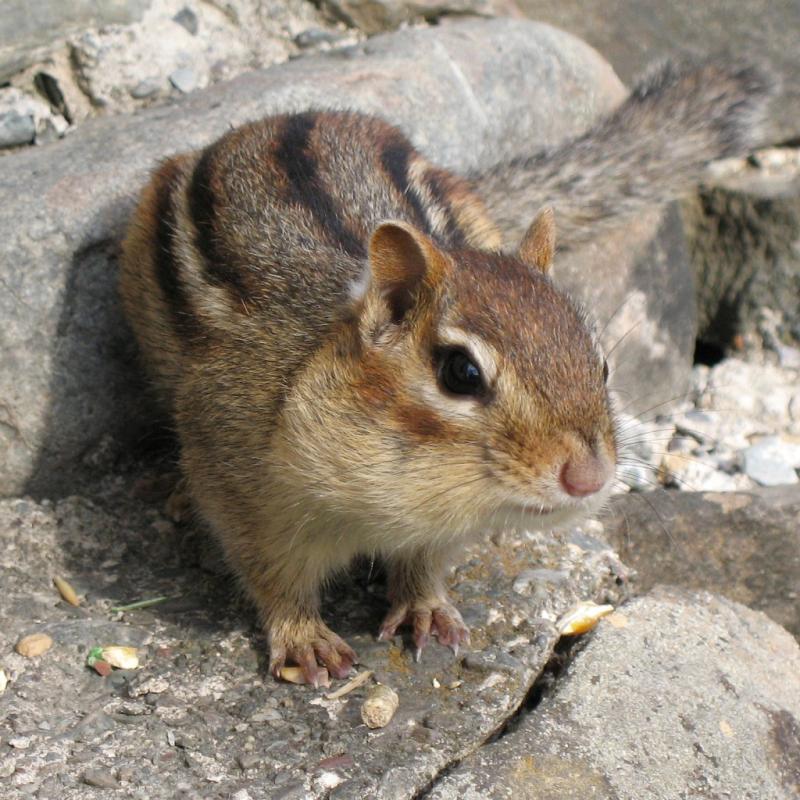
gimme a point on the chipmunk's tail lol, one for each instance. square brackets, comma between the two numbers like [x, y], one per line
[651, 149]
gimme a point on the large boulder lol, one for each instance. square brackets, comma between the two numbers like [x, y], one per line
[29, 29]
[744, 545]
[72, 396]
[679, 695]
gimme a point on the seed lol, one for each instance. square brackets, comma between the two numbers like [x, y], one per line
[66, 591]
[121, 657]
[581, 618]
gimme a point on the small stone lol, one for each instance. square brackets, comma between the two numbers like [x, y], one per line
[772, 461]
[16, 129]
[101, 779]
[20, 742]
[146, 88]
[248, 761]
[125, 774]
[529, 576]
[3, 680]
[312, 37]
[789, 357]
[184, 80]
[187, 19]
[34, 645]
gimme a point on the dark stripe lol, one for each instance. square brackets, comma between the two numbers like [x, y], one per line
[219, 269]
[294, 155]
[167, 272]
[454, 235]
[394, 158]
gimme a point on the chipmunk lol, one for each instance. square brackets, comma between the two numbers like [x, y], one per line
[355, 366]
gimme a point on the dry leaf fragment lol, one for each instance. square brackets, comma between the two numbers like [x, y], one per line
[66, 591]
[379, 707]
[581, 618]
[352, 684]
[34, 645]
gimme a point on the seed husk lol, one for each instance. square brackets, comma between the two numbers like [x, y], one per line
[66, 591]
[34, 645]
[379, 707]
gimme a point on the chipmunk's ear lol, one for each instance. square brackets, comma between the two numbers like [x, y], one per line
[403, 261]
[539, 242]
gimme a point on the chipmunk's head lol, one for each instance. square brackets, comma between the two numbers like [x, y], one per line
[466, 387]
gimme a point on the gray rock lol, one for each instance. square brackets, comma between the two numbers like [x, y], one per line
[745, 545]
[312, 37]
[69, 376]
[146, 88]
[201, 709]
[634, 33]
[16, 129]
[685, 695]
[21, 116]
[100, 779]
[772, 461]
[184, 80]
[186, 18]
[29, 29]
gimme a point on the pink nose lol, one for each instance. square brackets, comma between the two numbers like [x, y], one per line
[585, 475]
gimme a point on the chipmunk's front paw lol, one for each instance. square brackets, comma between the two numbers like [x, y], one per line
[309, 645]
[437, 617]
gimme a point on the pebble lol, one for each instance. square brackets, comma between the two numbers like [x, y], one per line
[315, 36]
[187, 19]
[529, 576]
[184, 80]
[100, 779]
[20, 742]
[3, 680]
[16, 129]
[34, 645]
[146, 88]
[248, 761]
[772, 462]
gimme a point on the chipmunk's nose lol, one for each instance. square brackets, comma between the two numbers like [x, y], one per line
[585, 474]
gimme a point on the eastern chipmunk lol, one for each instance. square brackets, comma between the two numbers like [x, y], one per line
[355, 367]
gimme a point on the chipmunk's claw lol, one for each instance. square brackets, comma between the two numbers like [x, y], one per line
[440, 619]
[323, 648]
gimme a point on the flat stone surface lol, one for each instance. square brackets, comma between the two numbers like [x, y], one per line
[632, 34]
[201, 713]
[69, 376]
[677, 695]
[744, 545]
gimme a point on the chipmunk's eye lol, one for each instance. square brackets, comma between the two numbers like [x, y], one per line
[605, 371]
[458, 374]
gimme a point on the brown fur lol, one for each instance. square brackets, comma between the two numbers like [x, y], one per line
[302, 344]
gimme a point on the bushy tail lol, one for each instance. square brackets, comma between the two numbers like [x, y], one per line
[651, 149]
